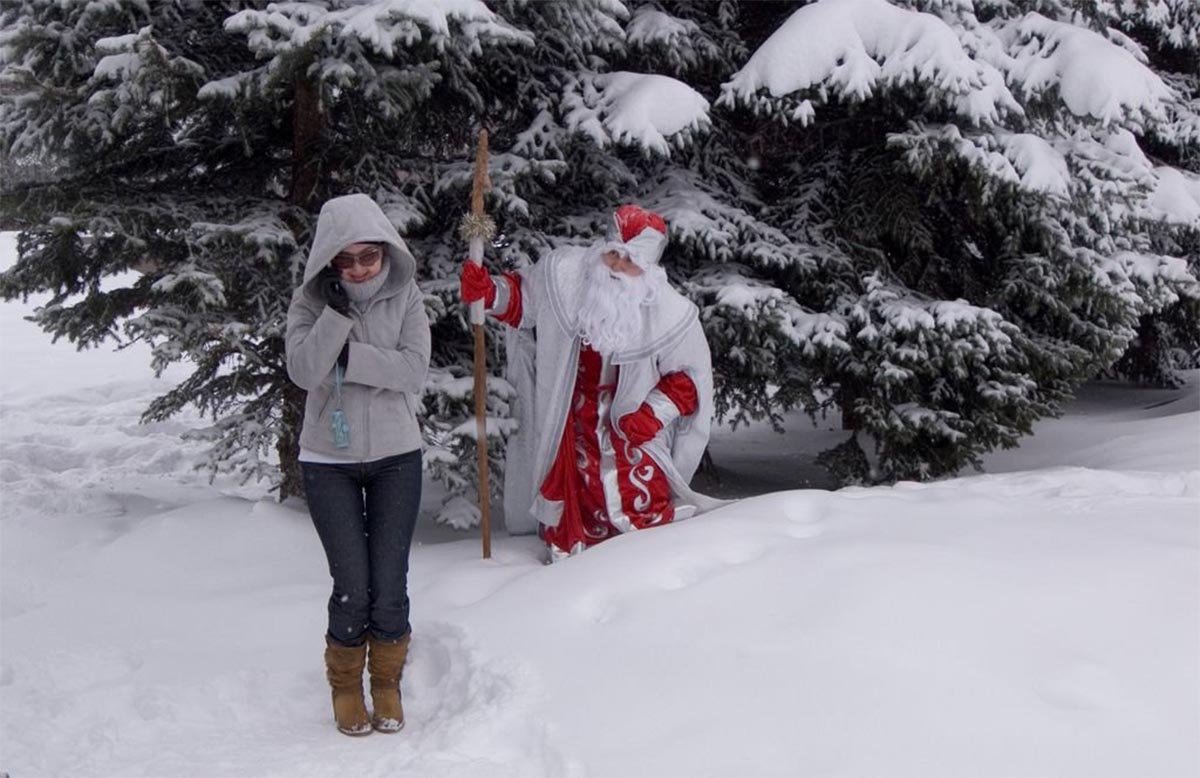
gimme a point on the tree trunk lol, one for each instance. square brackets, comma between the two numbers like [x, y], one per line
[847, 395]
[1142, 360]
[307, 123]
[288, 447]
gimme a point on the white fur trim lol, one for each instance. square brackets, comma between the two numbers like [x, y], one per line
[503, 295]
[647, 247]
[664, 407]
[546, 511]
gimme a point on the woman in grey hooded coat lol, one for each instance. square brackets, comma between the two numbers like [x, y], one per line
[358, 343]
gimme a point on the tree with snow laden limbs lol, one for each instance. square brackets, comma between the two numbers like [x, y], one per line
[935, 218]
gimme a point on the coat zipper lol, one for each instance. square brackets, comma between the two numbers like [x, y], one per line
[367, 403]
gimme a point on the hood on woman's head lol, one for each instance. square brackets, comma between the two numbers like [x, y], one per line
[356, 218]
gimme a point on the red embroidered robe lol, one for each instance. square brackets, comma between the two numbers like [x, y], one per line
[605, 484]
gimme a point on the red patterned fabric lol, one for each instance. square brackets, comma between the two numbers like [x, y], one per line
[632, 219]
[639, 494]
[591, 454]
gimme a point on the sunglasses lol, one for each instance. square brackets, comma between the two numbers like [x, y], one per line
[365, 258]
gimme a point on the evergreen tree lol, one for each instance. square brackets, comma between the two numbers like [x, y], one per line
[193, 141]
[921, 213]
[984, 214]
[1168, 340]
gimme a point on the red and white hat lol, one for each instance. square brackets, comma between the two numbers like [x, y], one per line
[643, 232]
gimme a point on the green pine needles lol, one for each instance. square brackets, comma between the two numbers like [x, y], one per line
[937, 242]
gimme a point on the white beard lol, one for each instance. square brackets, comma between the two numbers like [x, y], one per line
[610, 312]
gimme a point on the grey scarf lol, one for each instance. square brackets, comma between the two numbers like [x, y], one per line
[361, 294]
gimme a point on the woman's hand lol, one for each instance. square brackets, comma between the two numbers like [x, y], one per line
[329, 281]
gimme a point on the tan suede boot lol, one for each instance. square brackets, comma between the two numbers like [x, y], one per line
[386, 666]
[344, 669]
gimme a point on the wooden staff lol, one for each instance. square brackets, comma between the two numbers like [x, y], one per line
[476, 228]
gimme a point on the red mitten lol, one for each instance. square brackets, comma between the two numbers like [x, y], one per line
[641, 425]
[474, 283]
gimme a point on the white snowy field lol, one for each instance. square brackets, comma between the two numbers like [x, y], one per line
[1039, 620]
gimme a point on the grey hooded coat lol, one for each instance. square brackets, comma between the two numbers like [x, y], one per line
[389, 341]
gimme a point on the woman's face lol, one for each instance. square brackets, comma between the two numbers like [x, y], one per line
[359, 262]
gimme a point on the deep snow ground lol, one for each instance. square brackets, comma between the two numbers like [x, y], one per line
[1040, 619]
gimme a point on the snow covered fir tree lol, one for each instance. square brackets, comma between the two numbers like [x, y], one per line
[933, 218]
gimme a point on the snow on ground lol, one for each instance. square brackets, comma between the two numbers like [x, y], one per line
[1040, 619]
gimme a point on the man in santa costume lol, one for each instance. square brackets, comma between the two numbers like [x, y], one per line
[622, 396]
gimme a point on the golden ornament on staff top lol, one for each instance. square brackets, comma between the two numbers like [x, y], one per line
[477, 225]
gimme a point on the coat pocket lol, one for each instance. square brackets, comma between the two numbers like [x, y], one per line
[324, 406]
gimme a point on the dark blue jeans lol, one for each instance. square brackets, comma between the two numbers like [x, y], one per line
[365, 514]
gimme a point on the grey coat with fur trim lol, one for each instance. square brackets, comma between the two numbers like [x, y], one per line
[389, 341]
